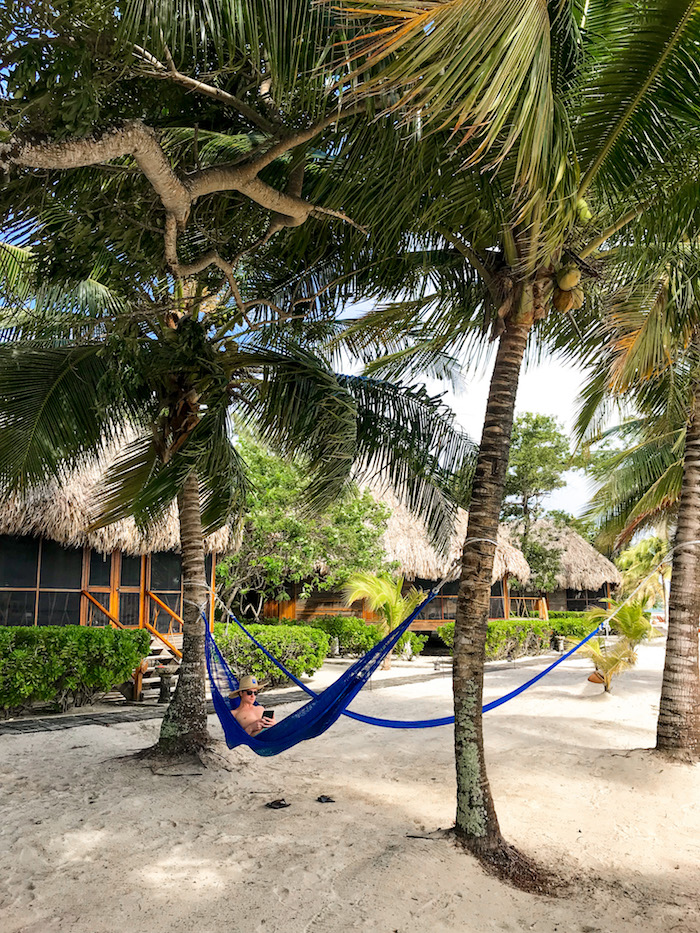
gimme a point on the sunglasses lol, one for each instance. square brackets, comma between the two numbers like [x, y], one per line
[251, 693]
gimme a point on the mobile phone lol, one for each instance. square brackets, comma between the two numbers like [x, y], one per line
[268, 714]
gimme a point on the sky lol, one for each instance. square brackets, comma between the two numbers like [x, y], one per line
[550, 388]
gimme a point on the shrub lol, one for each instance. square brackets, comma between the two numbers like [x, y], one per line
[416, 641]
[576, 627]
[66, 665]
[355, 636]
[514, 638]
[508, 638]
[301, 648]
[446, 633]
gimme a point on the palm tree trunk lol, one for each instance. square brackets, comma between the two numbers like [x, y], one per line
[184, 728]
[476, 823]
[678, 728]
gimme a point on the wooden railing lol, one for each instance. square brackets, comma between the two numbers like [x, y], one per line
[522, 606]
[171, 612]
[168, 644]
[114, 622]
[147, 625]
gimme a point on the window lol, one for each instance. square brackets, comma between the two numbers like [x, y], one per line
[100, 569]
[131, 571]
[17, 608]
[61, 567]
[58, 608]
[18, 561]
[165, 572]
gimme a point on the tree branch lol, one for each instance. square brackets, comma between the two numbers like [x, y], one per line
[133, 139]
[170, 72]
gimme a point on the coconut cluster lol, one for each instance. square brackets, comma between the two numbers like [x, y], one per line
[568, 294]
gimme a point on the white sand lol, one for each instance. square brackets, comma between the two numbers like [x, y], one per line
[91, 843]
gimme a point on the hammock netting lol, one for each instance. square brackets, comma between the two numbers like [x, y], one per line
[315, 716]
[325, 708]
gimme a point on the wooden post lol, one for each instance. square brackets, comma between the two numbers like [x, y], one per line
[506, 597]
[85, 583]
[212, 591]
[115, 571]
[144, 606]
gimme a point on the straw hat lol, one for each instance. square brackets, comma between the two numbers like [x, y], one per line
[249, 682]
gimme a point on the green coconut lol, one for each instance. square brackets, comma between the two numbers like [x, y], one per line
[568, 278]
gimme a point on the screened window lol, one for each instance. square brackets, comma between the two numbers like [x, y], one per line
[58, 608]
[17, 608]
[100, 569]
[61, 568]
[18, 561]
[165, 571]
[129, 608]
[131, 571]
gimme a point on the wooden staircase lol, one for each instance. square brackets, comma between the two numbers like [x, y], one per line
[158, 677]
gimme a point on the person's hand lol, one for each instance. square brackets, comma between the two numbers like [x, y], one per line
[267, 721]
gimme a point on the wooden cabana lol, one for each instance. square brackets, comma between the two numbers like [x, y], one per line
[407, 544]
[54, 570]
[586, 577]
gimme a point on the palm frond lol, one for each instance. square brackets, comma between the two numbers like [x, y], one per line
[48, 415]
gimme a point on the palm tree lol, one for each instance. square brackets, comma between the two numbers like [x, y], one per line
[643, 565]
[610, 134]
[384, 595]
[72, 374]
[651, 356]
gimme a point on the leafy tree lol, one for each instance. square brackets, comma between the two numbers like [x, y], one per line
[152, 150]
[280, 545]
[384, 594]
[539, 456]
[650, 360]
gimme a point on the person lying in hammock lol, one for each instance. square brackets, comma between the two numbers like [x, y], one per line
[249, 714]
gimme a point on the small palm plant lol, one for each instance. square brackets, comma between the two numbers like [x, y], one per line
[609, 660]
[633, 624]
[630, 620]
[384, 595]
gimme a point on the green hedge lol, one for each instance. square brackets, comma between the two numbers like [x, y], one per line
[575, 625]
[355, 636]
[514, 638]
[508, 638]
[66, 665]
[301, 648]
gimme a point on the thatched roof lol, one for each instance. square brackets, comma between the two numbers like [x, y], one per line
[62, 511]
[406, 541]
[582, 567]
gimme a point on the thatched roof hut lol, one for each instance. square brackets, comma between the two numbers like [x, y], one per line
[582, 567]
[406, 542]
[64, 510]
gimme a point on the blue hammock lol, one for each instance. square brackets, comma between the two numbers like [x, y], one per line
[315, 716]
[313, 719]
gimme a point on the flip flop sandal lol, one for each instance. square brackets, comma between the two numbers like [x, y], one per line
[277, 804]
[324, 799]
